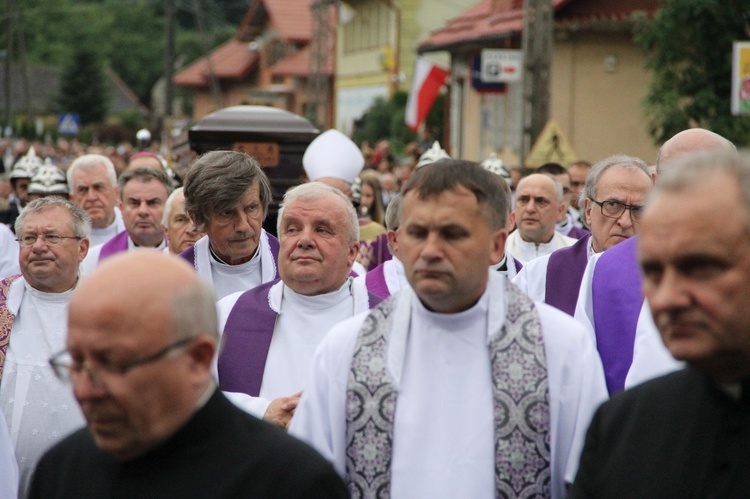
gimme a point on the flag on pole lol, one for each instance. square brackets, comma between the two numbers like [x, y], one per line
[428, 78]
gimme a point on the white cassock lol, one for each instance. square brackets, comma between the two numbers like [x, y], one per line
[228, 279]
[525, 251]
[39, 409]
[92, 257]
[532, 279]
[444, 426]
[101, 236]
[8, 253]
[302, 323]
[8, 465]
[651, 358]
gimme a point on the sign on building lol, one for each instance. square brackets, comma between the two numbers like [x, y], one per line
[500, 65]
[741, 78]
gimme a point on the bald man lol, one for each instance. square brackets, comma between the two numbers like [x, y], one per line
[610, 302]
[138, 356]
[538, 206]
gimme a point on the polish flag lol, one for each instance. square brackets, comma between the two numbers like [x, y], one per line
[428, 78]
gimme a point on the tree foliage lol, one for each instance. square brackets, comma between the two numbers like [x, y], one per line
[385, 120]
[689, 47]
[83, 87]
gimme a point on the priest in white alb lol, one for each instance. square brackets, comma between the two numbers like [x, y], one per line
[271, 332]
[39, 409]
[460, 385]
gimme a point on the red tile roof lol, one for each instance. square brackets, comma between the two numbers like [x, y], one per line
[292, 19]
[232, 60]
[299, 64]
[480, 23]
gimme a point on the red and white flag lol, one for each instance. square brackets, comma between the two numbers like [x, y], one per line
[428, 78]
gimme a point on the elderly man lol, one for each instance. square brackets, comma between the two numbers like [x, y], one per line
[92, 180]
[397, 394]
[389, 277]
[568, 224]
[686, 434]
[613, 200]
[610, 302]
[539, 204]
[144, 193]
[139, 358]
[181, 232]
[272, 331]
[227, 196]
[53, 236]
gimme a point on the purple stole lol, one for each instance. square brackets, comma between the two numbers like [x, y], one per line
[375, 282]
[115, 245]
[617, 303]
[564, 275]
[517, 264]
[273, 245]
[578, 233]
[247, 339]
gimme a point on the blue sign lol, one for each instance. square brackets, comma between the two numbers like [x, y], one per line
[68, 124]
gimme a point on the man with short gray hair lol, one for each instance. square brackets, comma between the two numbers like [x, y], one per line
[612, 198]
[227, 195]
[270, 332]
[144, 193]
[53, 238]
[92, 181]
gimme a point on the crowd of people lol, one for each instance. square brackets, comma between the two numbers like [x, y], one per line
[430, 327]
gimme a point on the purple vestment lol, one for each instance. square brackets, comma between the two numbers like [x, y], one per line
[617, 302]
[375, 282]
[578, 233]
[565, 270]
[115, 245]
[247, 339]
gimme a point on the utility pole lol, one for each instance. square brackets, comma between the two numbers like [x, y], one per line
[168, 86]
[537, 55]
[319, 81]
[9, 56]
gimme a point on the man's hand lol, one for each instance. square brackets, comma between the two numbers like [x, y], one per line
[281, 410]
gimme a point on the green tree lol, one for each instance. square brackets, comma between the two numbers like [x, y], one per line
[689, 46]
[83, 87]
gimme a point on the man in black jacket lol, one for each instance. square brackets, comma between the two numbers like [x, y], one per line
[686, 434]
[142, 335]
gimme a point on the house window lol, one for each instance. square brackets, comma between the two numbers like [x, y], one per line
[369, 29]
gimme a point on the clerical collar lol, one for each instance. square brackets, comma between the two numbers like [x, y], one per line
[319, 302]
[219, 260]
[503, 265]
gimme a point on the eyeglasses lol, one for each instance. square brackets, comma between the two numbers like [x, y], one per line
[67, 369]
[615, 209]
[49, 239]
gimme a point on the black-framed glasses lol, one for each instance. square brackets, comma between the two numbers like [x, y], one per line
[615, 209]
[49, 239]
[66, 368]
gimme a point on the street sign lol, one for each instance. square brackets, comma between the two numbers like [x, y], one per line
[499, 65]
[68, 124]
[551, 147]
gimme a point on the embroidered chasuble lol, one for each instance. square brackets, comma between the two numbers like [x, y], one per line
[519, 391]
[6, 320]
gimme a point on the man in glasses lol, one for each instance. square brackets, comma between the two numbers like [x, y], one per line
[138, 356]
[538, 206]
[613, 200]
[53, 238]
[611, 304]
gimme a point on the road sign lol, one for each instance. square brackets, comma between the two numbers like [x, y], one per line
[551, 147]
[68, 124]
[501, 65]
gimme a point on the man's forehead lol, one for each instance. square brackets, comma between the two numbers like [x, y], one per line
[52, 218]
[136, 187]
